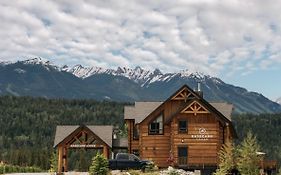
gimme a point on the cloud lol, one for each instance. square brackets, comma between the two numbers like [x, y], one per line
[214, 37]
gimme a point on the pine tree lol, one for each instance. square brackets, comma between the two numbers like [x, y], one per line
[99, 165]
[248, 160]
[53, 163]
[226, 157]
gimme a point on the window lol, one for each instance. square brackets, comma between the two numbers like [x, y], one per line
[136, 132]
[183, 126]
[156, 126]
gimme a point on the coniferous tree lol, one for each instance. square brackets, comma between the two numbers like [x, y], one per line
[99, 165]
[227, 159]
[248, 160]
[54, 163]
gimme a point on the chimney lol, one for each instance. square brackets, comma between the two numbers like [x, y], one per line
[199, 92]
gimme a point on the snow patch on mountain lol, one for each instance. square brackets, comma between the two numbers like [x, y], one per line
[41, 61]
[20, 71]
[4, 63]
[278, 100]
[85, 72]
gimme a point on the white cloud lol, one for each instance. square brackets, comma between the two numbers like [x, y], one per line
[208, 36]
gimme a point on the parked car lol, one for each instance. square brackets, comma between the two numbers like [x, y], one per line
[125, 161]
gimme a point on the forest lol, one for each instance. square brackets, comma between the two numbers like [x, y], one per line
[28, 128]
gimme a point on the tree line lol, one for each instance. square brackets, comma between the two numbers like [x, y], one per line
[28, 128]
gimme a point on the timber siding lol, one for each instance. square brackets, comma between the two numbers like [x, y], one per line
[208, 127]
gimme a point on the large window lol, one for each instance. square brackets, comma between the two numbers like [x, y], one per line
[156, 126]
[183, 126]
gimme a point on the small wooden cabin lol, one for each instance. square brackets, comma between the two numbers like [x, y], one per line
[184, 131]
[98, 137]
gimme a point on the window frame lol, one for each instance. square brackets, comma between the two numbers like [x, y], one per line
[186, 126]
[153, 121]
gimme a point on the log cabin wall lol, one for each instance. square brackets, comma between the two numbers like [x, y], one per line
[202, 139]
[156, 147]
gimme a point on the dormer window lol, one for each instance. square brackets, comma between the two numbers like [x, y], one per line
[156, 126]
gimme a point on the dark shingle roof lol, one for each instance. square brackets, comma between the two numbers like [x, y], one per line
[224, 108]
[140, 111]
[63, 131]
[104, 132]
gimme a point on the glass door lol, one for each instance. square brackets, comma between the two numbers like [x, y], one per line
[182, 155]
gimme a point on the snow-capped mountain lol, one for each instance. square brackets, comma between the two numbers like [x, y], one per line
[278, 100]
[138, 74]
[40, 77]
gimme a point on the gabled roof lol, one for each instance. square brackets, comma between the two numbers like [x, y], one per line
[206, 105]
[223, 111]
[104, 132]
[62, 132]
[140, 111]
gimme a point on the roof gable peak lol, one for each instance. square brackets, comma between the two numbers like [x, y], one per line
[195, 108]
[184, 93]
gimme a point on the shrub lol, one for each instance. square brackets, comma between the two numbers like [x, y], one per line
[99, 165]
[150, 167]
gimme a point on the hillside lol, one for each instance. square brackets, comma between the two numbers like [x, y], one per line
[28, 128]
[40, 78]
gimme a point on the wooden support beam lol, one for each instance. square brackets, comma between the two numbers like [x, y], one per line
[227, 138]
[60, 155]
[65, 162]
[105, 151]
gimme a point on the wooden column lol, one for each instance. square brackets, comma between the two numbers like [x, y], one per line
[60, 159]
[227, 133]
[65, 159]
[129, 124]
[105, 151]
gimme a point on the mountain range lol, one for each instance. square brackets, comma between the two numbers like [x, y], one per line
[41, 78]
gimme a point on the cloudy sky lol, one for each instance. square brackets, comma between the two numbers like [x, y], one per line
[236, 40]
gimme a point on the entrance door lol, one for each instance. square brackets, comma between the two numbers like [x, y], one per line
[182, 155]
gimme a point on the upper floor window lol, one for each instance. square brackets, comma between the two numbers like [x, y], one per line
[182, 126]
[156, 126]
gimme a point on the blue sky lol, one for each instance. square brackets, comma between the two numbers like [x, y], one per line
[236, 40]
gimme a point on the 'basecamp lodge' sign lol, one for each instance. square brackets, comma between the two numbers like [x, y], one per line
[83, 146]
[202, 135]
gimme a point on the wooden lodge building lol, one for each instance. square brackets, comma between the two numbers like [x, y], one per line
[184, 131]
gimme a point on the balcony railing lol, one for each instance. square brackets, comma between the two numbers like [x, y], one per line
[182, 160]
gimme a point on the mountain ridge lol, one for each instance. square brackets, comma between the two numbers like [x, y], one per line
[39, 77]
[278, 100]
[136, 74]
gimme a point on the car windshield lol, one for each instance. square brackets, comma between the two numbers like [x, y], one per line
[134, 157]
